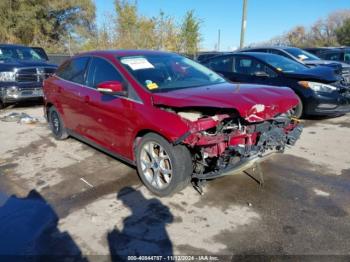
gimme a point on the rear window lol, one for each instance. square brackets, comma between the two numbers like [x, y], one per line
[73, 70]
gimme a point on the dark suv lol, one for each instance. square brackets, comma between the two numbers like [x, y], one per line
[22, 71]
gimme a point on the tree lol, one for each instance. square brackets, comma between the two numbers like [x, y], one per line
[343, 33]
[297, 36]
[168, 33]
[322, 33]
[55, 25]
[190, 34]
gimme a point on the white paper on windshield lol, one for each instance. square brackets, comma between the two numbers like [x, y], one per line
[137, 63]
[0, 52]
[303, 57]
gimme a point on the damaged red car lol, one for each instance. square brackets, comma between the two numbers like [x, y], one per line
[173, 118]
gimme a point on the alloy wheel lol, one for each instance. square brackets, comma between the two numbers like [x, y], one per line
[156, 165]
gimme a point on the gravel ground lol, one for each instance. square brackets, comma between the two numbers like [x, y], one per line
[101, 208]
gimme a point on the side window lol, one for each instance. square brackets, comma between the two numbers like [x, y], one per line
[250, 66]
[73, 70]
[278, 52]
[222, 64]
[100, 71]
[336, 56]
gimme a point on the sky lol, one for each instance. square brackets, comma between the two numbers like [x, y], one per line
[265, 18]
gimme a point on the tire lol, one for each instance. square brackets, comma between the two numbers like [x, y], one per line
[154, 171]
[56, 124]
[2, 105]
[298, 110]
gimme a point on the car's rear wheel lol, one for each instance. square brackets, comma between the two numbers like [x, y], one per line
[163, 168]
[56, 124]
[297, 111]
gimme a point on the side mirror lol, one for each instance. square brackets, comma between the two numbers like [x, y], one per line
[112, 88]
[261, 74]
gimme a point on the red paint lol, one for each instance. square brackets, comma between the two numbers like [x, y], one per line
[114, 123]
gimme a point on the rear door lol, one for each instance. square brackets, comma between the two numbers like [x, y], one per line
[69, 85]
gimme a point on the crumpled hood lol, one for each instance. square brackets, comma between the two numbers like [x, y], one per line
[253, 102]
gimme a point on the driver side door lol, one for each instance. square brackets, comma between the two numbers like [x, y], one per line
[250, 70]
[107, 114]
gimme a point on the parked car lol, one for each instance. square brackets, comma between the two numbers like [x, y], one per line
[316, 50]
[22, 71]
[340, 54]
[320, 90]
[173, 118]
[306, 58]
[202, 56]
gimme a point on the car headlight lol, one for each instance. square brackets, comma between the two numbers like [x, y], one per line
[318, 87]
[12, 91]
[7, 76]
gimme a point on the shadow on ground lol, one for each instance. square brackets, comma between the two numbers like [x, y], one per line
[144, 231]
[29, 232]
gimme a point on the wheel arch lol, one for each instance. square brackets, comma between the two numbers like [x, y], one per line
[141, 133]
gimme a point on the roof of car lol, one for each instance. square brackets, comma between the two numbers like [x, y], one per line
[254, 54]
[270, 47]
[125, 52]
[12, 45]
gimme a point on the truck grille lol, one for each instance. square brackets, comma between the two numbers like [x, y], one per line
[34, 74]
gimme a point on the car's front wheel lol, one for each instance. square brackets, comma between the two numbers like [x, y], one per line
[297, 111]
[163, 168]
[56, 124]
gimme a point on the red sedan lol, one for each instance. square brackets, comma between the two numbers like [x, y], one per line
[173, 118]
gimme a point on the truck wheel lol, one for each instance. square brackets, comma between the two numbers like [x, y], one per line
[297, 111]
[2, 105]
[56, 124]
[163, 168]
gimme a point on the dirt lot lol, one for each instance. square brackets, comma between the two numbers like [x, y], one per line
[102, 207]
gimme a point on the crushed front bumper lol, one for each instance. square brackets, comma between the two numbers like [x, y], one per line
[273, 141]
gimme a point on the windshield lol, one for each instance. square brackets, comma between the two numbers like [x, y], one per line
[301, 54]
[18, 53]
[169, 71]
[283, 64]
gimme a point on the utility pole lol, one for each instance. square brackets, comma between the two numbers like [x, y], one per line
[244, 23]
[218, 47]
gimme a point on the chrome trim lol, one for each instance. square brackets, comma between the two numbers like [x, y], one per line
[40, 73]
[81, 85]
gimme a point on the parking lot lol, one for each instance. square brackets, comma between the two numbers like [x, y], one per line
[103, 208]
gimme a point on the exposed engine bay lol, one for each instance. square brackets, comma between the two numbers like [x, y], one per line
[220, 140]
